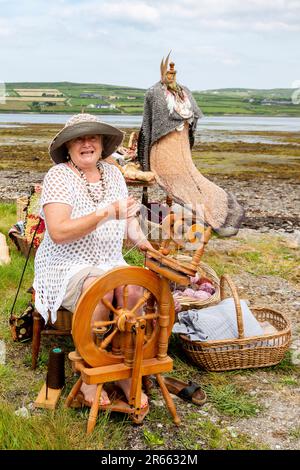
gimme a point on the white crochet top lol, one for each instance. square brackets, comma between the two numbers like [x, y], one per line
[56, 263]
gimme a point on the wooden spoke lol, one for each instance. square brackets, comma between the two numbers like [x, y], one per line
[125, 296]
[109, 305]
[150, 316]
[99, 324]
[141, 302]
[108, 339]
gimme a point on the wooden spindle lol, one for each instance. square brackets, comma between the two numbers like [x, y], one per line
[199, 253]
[136, 383]
[149, 310]
[129, 343]
[164, 319]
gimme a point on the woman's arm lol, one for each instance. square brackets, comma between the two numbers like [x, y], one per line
[63, 229]
[136, 235]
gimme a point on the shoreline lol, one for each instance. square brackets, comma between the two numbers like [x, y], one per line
[216, 114]
[264, 176]
[275, 209]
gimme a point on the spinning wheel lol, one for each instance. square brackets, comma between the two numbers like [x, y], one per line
[112, 344]
[133, 343]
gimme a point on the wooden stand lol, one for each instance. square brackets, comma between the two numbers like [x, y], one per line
[52, 398]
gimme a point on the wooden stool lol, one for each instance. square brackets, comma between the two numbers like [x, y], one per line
[62, 327]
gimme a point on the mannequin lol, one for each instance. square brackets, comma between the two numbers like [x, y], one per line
[165, 142]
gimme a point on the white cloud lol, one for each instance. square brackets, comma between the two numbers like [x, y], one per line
[6, 29]
[135, 12]
[277, 26]
[78, 18]
[230, 61]
[72, 39]
[227, 15]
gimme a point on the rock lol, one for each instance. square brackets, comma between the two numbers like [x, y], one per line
[22, 412]
[2, 352]
[4, 252]
[158, 403]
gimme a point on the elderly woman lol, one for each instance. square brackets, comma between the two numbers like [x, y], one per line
[87, 212]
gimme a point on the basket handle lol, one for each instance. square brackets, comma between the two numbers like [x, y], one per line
[238, 309]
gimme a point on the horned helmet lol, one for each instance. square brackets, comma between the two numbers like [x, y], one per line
[168, 76]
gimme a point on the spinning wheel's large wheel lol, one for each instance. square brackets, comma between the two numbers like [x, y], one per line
[104, 353]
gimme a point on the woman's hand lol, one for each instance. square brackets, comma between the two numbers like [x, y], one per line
[125, 209]
[144, 245]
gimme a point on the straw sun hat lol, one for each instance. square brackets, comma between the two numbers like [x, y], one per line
[84, 124]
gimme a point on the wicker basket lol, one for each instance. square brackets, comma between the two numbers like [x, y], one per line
[206, 271]
[22, 203]
[241, 352]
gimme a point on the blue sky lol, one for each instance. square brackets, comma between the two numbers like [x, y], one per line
[215, 43]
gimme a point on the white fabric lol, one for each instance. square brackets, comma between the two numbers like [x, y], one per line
[56, 263]
[183, 107]
[217, 322]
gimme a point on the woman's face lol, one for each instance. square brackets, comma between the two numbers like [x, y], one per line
[171, 79]
[85, 150]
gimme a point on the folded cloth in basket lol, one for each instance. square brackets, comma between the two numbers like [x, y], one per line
[216, 322]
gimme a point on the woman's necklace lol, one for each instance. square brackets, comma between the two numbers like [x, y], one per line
[94, 198]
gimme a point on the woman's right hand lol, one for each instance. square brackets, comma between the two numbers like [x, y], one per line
[123, 209]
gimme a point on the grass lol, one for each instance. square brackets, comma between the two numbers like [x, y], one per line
[290, 381]
[7, 216]
[295, 433]
[6, 377]
[10, 274]
[286, 366]
[214, 102]
[153, 439]
[266, 256]
[58, 430]
[133, 256]
[65, 429]
[230, 401]
[202, 434]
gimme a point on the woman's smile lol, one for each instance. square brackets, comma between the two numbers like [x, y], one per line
[85, 151]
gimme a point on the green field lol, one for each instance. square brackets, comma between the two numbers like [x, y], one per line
[125, 100]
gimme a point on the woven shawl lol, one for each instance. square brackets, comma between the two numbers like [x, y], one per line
[158, 122]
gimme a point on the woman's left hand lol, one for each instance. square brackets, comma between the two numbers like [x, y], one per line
[144, 246]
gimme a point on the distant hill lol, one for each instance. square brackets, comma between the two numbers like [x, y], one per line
[234, 101]
[68, 97]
